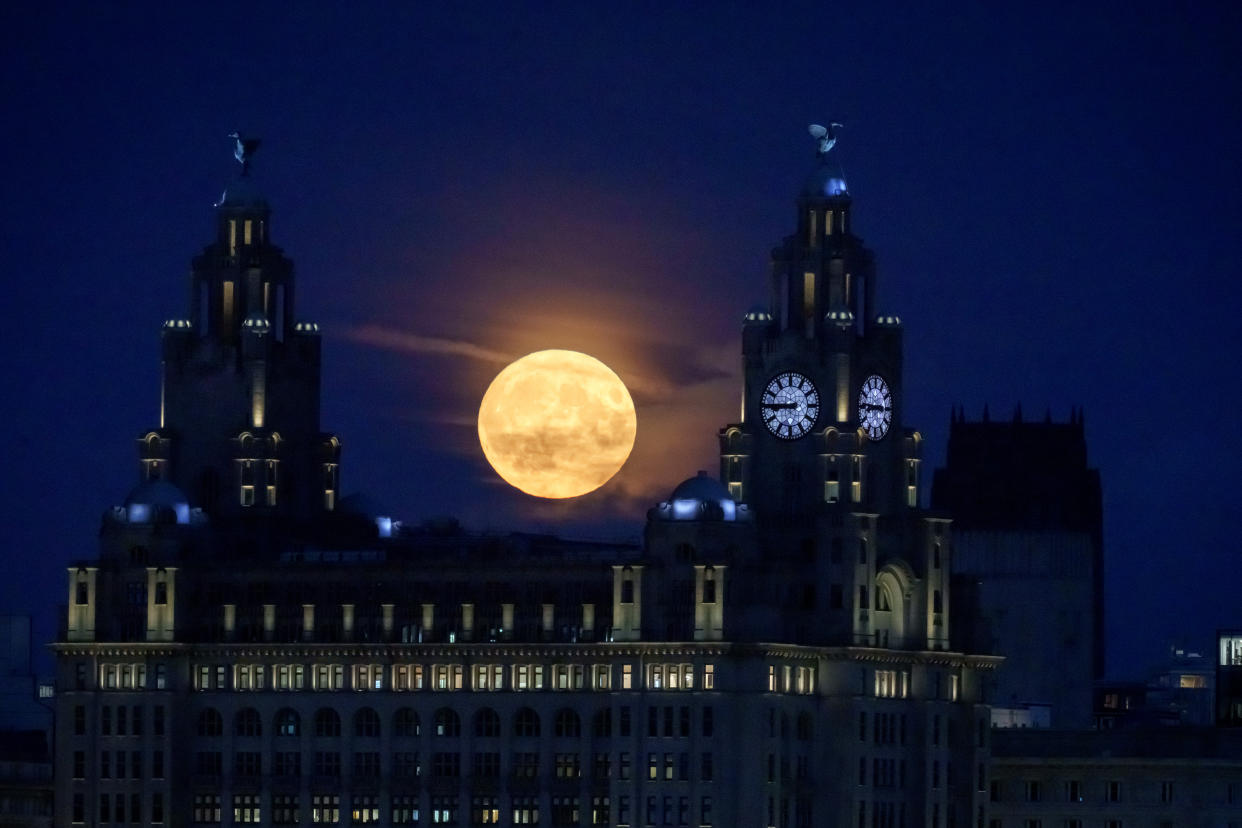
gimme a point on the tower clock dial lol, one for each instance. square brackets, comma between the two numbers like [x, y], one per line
[875, 407]
[789, 405]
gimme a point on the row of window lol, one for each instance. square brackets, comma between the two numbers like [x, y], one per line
[114, 765]
[789, 679]
[667, 766]
[405, 809]
[439, 677]
[125, 676]
[121, 720]
[122, 808]
[666, 720]
[1075, 790]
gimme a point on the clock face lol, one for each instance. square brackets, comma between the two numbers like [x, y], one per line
[875, 407]
[789, 405]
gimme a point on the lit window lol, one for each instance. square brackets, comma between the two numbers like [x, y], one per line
[709, 677]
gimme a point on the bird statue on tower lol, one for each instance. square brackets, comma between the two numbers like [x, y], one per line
[826, 136]
[245, 149]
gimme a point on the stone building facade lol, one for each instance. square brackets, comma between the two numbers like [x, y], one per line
[249, 647]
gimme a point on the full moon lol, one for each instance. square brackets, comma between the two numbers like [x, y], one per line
[557, 424]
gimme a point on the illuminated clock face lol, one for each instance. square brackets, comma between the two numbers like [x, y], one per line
[789, 406]
[875, 407]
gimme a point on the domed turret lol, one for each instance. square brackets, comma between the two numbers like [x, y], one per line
[700, 498]
[157, 501]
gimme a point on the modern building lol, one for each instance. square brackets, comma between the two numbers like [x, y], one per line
[249, 647]
[1028, 535]
[1154, 777]
[25, 779]
[1229, 678]
[20, 707]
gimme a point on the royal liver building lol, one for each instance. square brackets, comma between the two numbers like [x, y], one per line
[249, 647]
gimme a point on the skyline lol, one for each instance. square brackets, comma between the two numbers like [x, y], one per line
[1051, 200]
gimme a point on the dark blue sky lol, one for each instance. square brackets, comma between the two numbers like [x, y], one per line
[1053, 193]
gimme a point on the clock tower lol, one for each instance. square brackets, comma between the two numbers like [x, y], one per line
[822, 456]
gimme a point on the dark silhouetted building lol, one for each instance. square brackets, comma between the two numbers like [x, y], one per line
[1028, 558]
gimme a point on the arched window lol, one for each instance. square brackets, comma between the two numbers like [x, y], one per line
[327, 722]
[567, 723]
[526, 723]
[366, 723]
[486, 723]
[288, 723]
[210, 723]
[405, 723]
[601, 725]
[806, 727]
[709, 585]
[882, 603]
[447, 723]
[248, 723]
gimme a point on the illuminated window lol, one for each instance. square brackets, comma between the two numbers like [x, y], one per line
[1230, 650]
[232, 237]
[329, 486]
[270, 480]
[246, 231]
[771, 678]
[808, 301]
[329, 677]
[246, 806]
[326, 808]
[249, 677]
[288, 677]
[368, 677]
[206, 809]
[447, 676]
[226, 305]
[1192, 682]
[856, 480]
[407, 677]
[709, 677]
[601, 676]
[627, 677]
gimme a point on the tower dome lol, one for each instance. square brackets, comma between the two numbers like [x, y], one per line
[700, 498]
[157, 501]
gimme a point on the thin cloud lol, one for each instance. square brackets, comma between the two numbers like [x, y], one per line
[381, 337]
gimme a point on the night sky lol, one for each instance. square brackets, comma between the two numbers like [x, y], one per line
[1053, 194]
